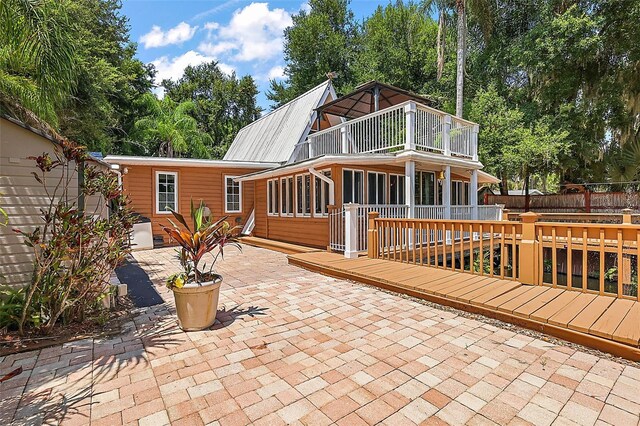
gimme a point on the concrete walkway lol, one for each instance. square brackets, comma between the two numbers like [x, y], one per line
[296, 347]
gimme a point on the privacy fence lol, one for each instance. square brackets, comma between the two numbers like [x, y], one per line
[586, 202]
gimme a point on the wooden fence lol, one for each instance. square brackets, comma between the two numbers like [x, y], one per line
[585, 202]
[588, 257]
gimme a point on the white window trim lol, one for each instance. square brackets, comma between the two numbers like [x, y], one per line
[324, 196]
[226, 210]
[285, 197]
[157, 185]
[269, 198]
[386, 187]
[304, 193]
[353, 182]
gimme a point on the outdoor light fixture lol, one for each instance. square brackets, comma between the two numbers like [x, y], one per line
[441, 175]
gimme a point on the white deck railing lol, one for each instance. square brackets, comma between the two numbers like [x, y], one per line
[348, 225]
[404, 126]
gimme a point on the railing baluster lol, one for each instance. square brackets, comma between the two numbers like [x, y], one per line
[491, 248]
[540, 256]
[585, 254]
[514, 259]
[554, 258]
[504, 253]
[481, 253]
[569, 258]
[620, 263]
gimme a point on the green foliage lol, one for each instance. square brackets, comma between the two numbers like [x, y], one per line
[223, 104]
[75, 251]
[37, 58]
[169, 129]
[320, 41]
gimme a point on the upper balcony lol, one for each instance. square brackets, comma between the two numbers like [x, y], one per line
[378, 118]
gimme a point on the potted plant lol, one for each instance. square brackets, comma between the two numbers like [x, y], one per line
[196, 289]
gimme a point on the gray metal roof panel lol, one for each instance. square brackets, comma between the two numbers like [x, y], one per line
[273, 137]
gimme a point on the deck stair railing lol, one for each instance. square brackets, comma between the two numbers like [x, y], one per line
[407, 125]
[593, 258]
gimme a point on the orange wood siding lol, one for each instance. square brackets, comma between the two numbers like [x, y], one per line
[197, 183]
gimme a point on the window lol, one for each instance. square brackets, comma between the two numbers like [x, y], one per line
[352, 186]
[233, 194]
[166, 191]
[272, 197]
[303, 195]
[396, 189]
[459, 193]
[376, 188]
[321, 195]
[425, 188]
[286, 205]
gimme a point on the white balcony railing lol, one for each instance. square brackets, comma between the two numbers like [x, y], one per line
[404, 126]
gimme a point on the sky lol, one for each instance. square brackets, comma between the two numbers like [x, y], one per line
[243, 36]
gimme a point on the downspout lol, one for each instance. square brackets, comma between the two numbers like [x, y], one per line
[326, 180]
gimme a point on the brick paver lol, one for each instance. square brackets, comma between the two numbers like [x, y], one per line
[294, 347]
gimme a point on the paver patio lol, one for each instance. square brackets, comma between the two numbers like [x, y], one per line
[296, 347]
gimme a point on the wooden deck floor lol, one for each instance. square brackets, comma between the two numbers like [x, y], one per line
[603, 322]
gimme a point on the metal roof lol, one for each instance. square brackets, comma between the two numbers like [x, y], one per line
[272, 138]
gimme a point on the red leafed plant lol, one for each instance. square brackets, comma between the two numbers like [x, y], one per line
[204, 238]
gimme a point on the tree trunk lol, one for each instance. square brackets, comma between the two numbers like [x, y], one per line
[462, 51]
[441, 44]
[504, 185]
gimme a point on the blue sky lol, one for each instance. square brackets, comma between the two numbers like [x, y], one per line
[244, 36]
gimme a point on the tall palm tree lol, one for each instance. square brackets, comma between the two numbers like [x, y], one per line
[37, 58]
[170, 129]
[482, 11]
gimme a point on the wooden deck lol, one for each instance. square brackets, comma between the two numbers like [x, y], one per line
[603, 322]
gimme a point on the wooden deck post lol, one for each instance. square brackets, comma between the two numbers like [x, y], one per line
[626, 216]
[372, 236]
[528, 262]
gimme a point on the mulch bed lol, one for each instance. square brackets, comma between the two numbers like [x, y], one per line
[12, 343]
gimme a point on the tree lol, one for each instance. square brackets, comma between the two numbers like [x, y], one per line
[109, 79]
[37, 58]
[223, 104]
[320, 41]
[510, 148]
[169, 129]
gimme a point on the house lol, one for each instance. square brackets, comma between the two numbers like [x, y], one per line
[22, 197]
[288, 175]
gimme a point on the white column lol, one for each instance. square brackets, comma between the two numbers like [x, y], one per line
[446, 192]
[351, 231]
[473, 196]
[474, 142]
[446, 135]
[410, 187]
[410, 117]
[345, 140]
[311, 148]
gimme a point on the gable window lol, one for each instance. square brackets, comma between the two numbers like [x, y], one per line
[425, 188]
[376, 188]
[166, 192]
[396, 189]
[321, 195]
[233, 195]
[352, 186]
[303, 195]
[286, 205]
[272, 197]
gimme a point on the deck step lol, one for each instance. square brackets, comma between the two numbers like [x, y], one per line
[279, 246]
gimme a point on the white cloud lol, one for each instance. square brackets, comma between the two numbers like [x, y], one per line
[173, 68]
[176, 35]
[255, 32]
[306, 7]
[216, 9]
[276, 73]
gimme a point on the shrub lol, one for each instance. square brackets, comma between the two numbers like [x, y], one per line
[75, 251]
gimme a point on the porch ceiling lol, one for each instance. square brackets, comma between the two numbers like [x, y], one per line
[362, 100]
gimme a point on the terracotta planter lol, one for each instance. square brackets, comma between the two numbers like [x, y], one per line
[197, 304]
